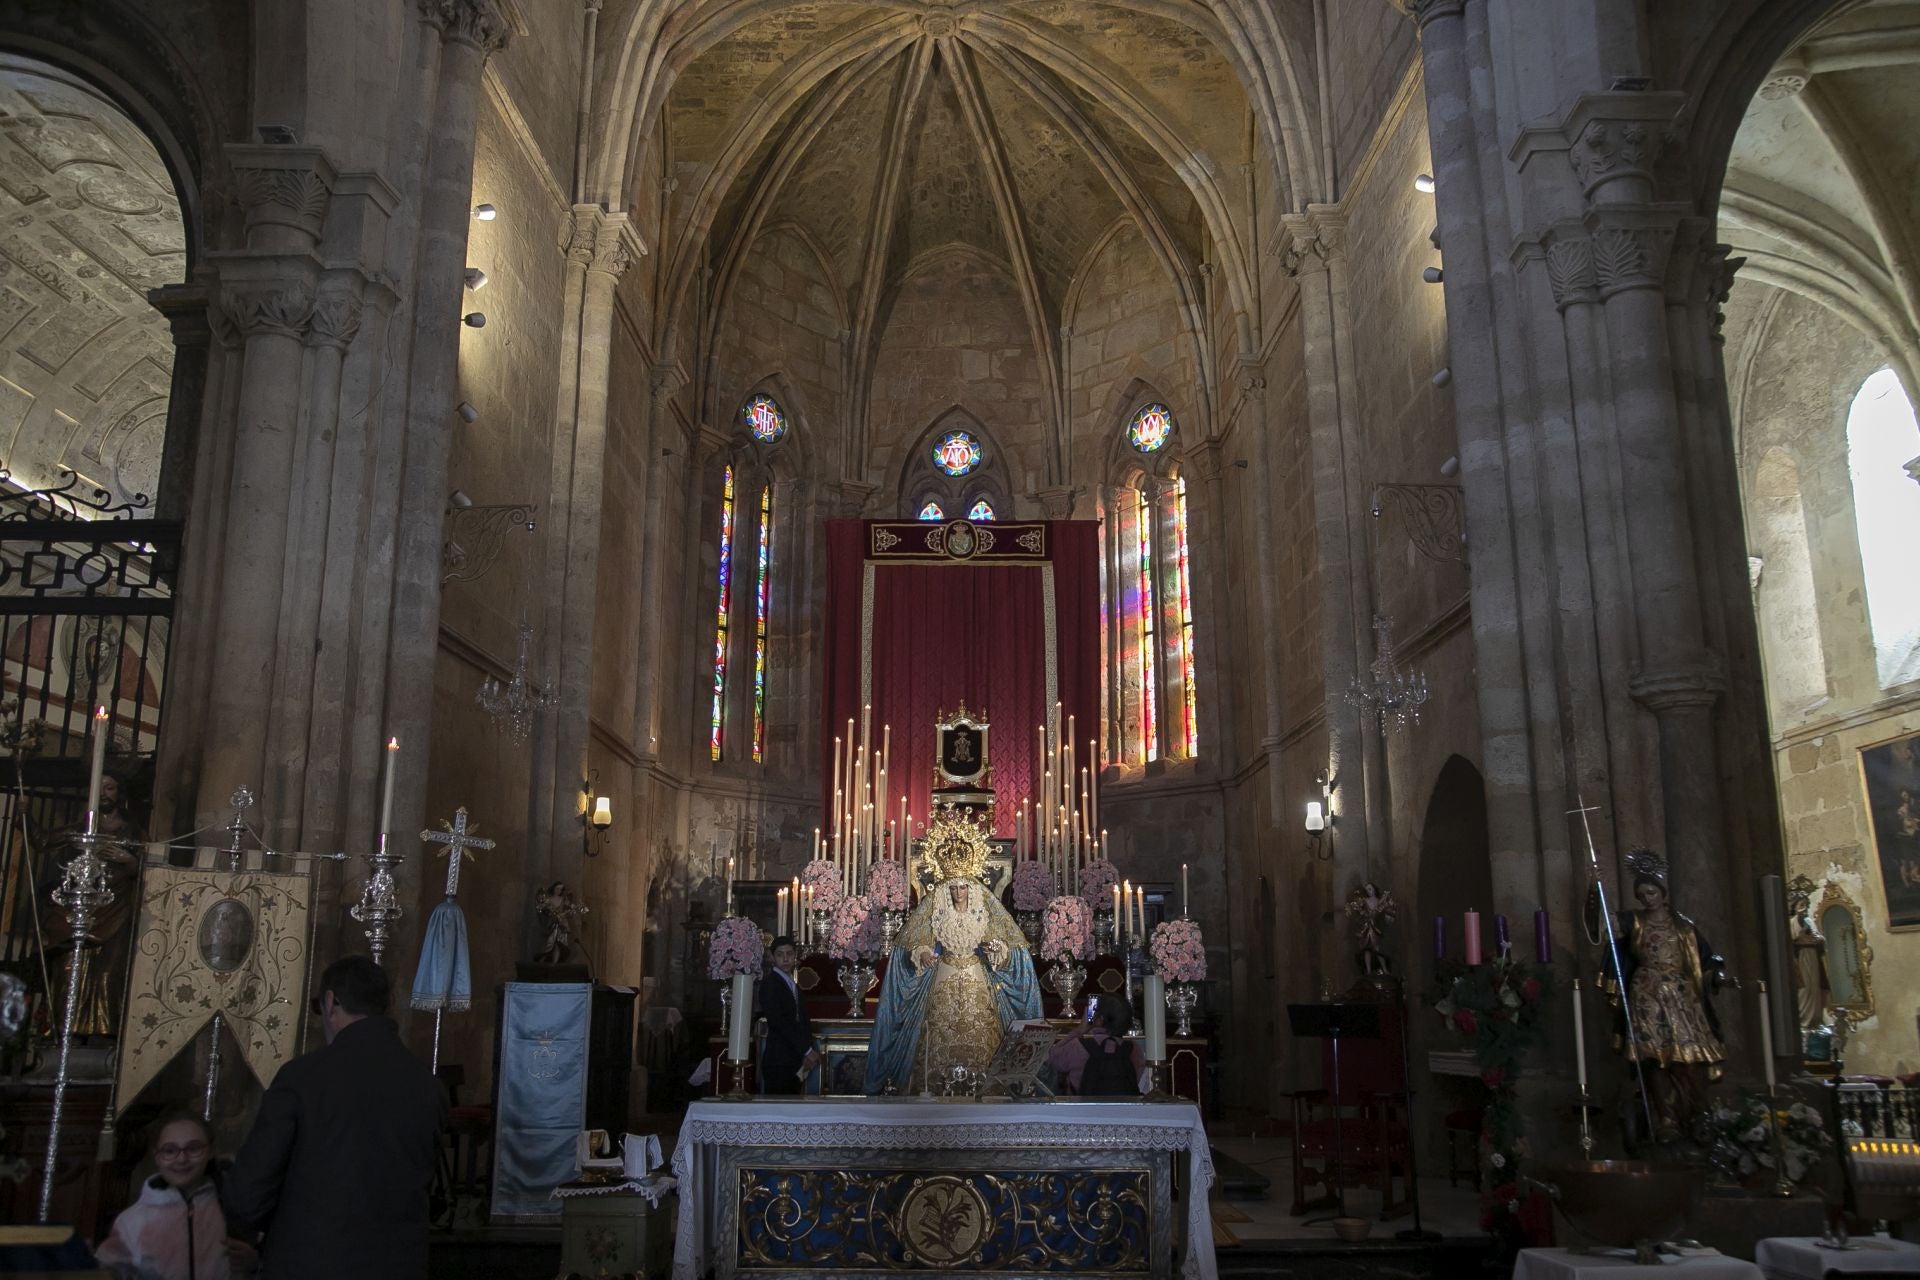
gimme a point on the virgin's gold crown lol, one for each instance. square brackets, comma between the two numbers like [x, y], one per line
[955, 847]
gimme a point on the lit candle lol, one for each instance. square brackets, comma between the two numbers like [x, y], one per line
[386, 798]
[99, 766]
[1766, 1038]
[1542, 939]
[1579, 1038]
[1117, 922]
[1140, 905]
[780, 913]
[729, 884]
[1470, 923]
[1183, 883]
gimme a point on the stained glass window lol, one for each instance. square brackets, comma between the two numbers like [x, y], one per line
[762, 416]
[981, 510]
[726, 607]
[760, 627]
[1151, 428]
[931, 511]
[1149, 632]
[1190, 730]
[956, 453]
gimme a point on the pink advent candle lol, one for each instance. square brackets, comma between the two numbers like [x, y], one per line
[1470, 923]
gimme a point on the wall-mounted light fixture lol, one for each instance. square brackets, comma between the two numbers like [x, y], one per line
[596, 816]
[468, 414]
[485, 212]
[1319, 822]
[1433, 275]
[478, 319]
[476, 279]
[1423, 183]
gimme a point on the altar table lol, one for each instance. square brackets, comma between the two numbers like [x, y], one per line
[1563, 1264]
[1798, 1257]
[882, 1186]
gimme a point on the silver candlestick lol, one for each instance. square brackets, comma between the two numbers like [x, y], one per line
[84, 890]
[379, 906]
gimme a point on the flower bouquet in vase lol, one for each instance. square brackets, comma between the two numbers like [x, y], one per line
[1180, 958]
[887, 895]
[853, 938]
[1033, 888]
[821, 886]
[1097, 879]
[737, 948]
[1066, 938]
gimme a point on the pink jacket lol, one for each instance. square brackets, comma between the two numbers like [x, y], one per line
[168, 1235]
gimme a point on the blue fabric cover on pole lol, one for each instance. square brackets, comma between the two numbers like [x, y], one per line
[444, 979]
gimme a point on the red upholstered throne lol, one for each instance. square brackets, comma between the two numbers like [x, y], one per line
[1371, 1103]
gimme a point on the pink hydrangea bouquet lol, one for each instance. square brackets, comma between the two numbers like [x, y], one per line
[855, 931]
[1067, 932]
[1097, 879]
[737, 948]
[887, 885]
[1033, 885]
[1178, 953]
[823, 877]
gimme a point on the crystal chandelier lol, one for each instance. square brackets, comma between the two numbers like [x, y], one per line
[516, 701]
[1390, 693]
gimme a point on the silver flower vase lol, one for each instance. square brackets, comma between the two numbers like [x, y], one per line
[856, 979]
[1067, 977]
[1103, 934]
[1181, 999]
[822, 922]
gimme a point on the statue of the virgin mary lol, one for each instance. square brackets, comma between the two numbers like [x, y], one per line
[960, 973]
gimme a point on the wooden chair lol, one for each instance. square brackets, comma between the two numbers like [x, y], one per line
[1372, 1128]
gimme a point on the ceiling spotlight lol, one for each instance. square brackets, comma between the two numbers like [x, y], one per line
[1433, 275]
[485, 212]
[478, 319]
[476, 279]
[1424, 184]
[1444, 376]
[467, 412]
[459, 499]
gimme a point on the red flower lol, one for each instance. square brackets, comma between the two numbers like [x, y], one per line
[1492, 1077]
[1463, 1019]
[1530, 990]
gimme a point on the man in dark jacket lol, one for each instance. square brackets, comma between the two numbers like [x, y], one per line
[337, 1169]
[790, 1050]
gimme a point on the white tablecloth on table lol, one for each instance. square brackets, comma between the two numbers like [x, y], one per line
[917, 1123]
[1800, 1258]
[1559, 1264]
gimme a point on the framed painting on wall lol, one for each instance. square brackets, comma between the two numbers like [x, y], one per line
[1891, 773]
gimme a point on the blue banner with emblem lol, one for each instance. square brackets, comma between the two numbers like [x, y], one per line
[542, 1096]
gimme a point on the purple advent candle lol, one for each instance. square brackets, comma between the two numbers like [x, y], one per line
[1542, 940]
[1501, 943]
[1439, 937]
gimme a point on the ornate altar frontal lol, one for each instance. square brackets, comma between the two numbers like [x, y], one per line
[989, 1189]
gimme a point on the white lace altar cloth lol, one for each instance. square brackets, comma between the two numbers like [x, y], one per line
[918, 1124]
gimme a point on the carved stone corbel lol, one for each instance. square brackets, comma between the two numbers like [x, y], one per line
[281, 186]
[280, 308]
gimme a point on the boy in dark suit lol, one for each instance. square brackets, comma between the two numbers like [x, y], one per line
[790, 1052]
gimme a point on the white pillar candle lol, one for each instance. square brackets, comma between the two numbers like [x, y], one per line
[1154, 997]
[386, 794]
[835, 775]
[99, 770]
[1117, 922]
[740, 1030]
[1579, 1037]
[729, 884]
[1766, 1038]
[1183, 889]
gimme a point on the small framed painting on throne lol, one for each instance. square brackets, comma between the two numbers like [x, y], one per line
[962, 743]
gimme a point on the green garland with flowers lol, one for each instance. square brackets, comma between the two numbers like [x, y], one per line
[1499, 1008]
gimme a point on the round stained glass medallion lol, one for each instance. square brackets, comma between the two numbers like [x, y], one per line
[956, 453]
[981, 510]
[1151, 428]
[931, 511]
[763, 417]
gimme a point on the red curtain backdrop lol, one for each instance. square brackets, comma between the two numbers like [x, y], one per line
[944, 634]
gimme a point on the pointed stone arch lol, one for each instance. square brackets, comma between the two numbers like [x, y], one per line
[919, 479]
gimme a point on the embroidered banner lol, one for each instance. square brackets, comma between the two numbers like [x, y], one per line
[956, 542]
[227, 942]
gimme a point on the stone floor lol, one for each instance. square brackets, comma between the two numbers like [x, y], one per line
[1451, 1211]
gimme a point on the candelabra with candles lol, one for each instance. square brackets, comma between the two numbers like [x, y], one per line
[379, 906]
[85, 890]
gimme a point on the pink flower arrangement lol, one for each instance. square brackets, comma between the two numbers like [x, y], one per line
[736, 948]
[855, 931]
[887, 885]
[823, 877]
[1033, 885]
[1178, 953]
[1097, 879]
[1067, 932]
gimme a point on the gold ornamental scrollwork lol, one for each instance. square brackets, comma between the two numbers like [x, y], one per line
[944, 1221]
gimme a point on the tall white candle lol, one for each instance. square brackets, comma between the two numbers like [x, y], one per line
[740, 1030]
[1579, 1037]
[1766, 1038]
[1183, 890]
[835, 775]
[99, 766]
[729, 884]
[386, 798]
[1154, 997]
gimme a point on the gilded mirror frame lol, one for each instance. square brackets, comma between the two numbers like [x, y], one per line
[1834, 896]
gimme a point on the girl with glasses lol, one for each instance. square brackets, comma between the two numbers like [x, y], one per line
[175, 1230]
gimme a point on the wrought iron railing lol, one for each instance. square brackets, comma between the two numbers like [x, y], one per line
[1878, 1110]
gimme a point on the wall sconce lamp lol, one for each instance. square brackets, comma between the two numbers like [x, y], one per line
[474, 319]
[1320, 822]
[485, 212]
[1423, 183]
[476, 279]
[596, 817]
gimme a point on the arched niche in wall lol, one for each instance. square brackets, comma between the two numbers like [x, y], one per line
[954, 465]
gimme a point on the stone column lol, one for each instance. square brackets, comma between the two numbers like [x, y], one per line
[1253, 400]
[267, 293]
[661, 382]
[185, 308]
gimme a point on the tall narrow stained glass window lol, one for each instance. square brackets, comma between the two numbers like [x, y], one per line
[725, 609]
[1149, 632]
[1183, 575]
[760, 593]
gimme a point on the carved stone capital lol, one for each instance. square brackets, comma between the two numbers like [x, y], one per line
[478, 23]
[611, 254]
[663, 380]
[282, 309]
[1314, 239]
[1056, 502]
[336, 319]
[1615, 136]
[1630, 256]
[282, 186]
[1425, 11]
[1698, 684]
[1570, 269]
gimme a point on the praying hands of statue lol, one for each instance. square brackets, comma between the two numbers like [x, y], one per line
[995, 952]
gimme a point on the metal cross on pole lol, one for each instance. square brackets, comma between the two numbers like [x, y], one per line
[439, 987]
[455, 837]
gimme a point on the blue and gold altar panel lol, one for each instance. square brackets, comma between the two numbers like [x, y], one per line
[1029, 1211]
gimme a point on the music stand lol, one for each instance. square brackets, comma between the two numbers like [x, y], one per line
[1335, 1022]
